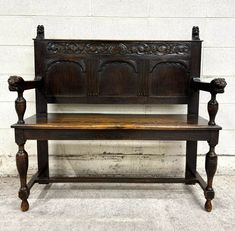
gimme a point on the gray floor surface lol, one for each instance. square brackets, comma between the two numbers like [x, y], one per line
[118, 207]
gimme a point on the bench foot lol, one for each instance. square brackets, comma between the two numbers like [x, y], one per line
[22, 167]
[24, 206]
[208, 205]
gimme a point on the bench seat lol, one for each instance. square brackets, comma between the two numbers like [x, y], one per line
[116, 121]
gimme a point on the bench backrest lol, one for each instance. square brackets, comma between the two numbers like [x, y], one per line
[114, 72]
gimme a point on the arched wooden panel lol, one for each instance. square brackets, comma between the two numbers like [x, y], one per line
[65, 78]
[117, 78]
[169, 79]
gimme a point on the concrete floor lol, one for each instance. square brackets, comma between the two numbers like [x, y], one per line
[118, 207]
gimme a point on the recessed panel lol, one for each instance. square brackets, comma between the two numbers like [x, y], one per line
[169, 79]
[65, 79]
[117, 79]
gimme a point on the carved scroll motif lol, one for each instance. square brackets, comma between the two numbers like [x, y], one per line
[119, 48]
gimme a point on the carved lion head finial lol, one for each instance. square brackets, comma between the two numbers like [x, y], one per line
[218, 85]
[195, 33]
[15, 83]
[40, 32]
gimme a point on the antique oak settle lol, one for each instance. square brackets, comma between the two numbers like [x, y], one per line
[116, 72]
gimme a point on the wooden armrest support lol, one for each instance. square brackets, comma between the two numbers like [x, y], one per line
[17, 83]
[214, 87]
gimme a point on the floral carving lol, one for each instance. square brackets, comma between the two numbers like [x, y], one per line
[119, 48]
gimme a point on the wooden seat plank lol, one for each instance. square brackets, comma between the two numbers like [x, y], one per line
[116, 121]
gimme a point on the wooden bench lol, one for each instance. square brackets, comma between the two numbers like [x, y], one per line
[116, 72]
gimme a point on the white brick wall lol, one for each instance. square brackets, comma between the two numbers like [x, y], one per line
[117, 19]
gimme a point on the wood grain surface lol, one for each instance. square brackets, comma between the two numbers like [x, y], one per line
[115, 121]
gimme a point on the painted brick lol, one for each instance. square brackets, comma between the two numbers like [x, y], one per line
[123, 8]
[8, 114]
[7, 96]
[157, 28]
[221, 8]
[22, 33]
[65, 27]
[25, 28]
[43, 7]
[120, 28]
[218, 61]
[124, 108]
[17, 59]
[219, 32]
[121, 165]
[177, 8]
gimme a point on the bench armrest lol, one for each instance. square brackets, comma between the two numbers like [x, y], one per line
[17, 83]
[214, 87]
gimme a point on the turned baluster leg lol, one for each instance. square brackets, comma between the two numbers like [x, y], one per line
[212, 109]
[22, 166]
[20, 105]
[211, 165]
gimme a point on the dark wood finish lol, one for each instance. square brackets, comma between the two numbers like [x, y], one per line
[22, 167]
[114, 179]
[191, 161]
[193, 105]
[40, 32]
[17, 83]
[116, 72]
[211, 166]
[71, 121]
[212, 108]
[195, 33]
[43, 161]
[214, 87]
[81, 179]
[117, 134]
[200, 181]
[33, 180]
